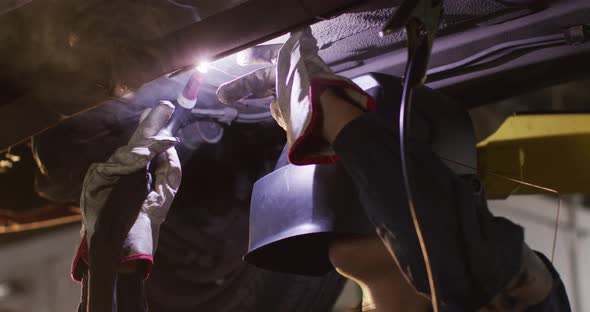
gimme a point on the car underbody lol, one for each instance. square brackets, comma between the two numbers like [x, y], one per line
[76, 77]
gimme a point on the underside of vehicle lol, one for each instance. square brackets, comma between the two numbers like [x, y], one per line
[77, 75]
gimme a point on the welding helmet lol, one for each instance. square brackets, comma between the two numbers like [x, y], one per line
[296, 211]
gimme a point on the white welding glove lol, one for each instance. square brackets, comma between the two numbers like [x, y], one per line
[300, 76]
[145, 146]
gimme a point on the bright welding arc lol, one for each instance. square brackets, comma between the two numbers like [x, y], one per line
[203, 67]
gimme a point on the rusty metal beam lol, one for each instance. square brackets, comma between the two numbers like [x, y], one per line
[225, 33]
[54, 96]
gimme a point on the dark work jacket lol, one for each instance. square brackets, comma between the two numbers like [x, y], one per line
[473, 254]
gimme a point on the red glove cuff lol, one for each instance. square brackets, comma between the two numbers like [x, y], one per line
[317, 88]
[80, 262]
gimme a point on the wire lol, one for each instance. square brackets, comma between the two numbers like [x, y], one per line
[404, 120]
[506, 47]
[193, 8]
[181, 5]
[550, 190]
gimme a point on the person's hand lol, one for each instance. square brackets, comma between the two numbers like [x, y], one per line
[145, 146]
[299, 77]
[259, 83]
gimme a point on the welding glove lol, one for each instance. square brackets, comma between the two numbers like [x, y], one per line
[299, 76]
[145, 146]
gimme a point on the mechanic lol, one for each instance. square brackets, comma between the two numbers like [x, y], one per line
[224, 194]
[145, 146]
[480, 262]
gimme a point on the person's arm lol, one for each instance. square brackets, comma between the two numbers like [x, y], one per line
[369, 149]
[120, 186]
[369, 152]
[131, 292]
[465, 258]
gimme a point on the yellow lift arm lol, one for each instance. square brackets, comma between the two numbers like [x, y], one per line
[549, 150]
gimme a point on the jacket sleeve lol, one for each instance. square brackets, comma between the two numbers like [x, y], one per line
[471, 251]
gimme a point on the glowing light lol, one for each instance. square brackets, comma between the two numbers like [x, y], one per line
[5, 290]
[11, 157]
[203, 67]
[242, 58]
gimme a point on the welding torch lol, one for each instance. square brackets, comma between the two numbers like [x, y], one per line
[185, 102]
[119, 214]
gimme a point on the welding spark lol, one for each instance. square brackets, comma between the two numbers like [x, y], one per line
[203, 67]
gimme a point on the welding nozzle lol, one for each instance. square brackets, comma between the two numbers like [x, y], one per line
[184, 104]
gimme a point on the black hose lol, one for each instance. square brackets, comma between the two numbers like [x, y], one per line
[413, 79]
[512, 46]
